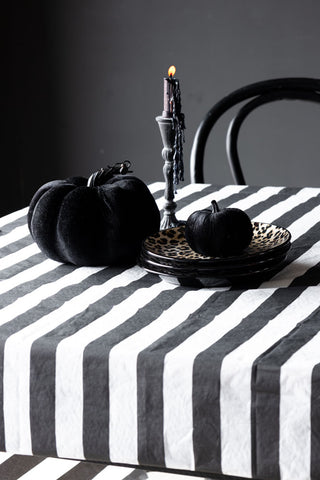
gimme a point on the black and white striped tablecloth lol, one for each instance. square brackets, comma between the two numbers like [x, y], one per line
[27, 467]
[116, 365]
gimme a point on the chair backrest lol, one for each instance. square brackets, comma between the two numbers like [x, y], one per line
[257, 94]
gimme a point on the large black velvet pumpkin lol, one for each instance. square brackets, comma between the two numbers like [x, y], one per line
[218, 233]
[97, 222]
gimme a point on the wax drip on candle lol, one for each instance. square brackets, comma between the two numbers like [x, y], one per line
[178, 124]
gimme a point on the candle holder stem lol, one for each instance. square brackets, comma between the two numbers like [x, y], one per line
[169, 219]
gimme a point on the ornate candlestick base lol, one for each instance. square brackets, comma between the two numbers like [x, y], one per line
[169, 219]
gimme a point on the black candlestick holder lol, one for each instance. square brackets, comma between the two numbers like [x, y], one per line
[167, 131]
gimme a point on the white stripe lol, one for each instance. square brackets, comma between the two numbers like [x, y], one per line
[4, 456]
[15, 235]
[300, 226]
[269, 215]
[295, 269]
[49, 469]
[19, 256]
[114, 473]
[156, 187]
[171, 476]
[11, 217]
[204, 202]
[123, 375]
[22, 304]
[28, 275]
[69, 382]
[295, 411]
[183, 192]
[17, 358]
[177, 378]
[261, 195]
[235, 381]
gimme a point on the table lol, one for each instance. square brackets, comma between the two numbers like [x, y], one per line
[119, 366]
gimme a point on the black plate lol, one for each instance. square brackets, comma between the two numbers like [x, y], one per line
[206, 269]
[213, 264]
[193, 277]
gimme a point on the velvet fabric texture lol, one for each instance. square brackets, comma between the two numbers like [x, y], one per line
[93, 226]
[218, 233]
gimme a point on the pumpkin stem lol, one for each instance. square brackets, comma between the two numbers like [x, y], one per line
[215, 208]
[104, 174]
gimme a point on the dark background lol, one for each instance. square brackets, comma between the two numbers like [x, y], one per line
[85, 82]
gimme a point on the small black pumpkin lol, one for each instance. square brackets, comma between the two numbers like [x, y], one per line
[218, 233]
[100, 221]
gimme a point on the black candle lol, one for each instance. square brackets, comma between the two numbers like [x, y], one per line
[172, 109]
[168, 84]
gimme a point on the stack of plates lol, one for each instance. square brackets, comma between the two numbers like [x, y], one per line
[168, 254]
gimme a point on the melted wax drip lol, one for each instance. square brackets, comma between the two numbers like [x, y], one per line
[179, 126]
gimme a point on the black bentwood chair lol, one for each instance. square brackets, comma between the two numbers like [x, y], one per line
[257, 94]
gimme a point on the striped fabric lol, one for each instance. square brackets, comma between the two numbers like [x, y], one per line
[26, 467]
[118, 366]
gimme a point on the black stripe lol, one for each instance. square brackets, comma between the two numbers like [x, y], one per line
[150, 367]
[206, 379]
[27, 287]
[21, 266]
[137, 475]
[43, 366]
[303, 244]
[158, 194]
[83, 471]
[96, 374]
[15, 246]
[7, 227]
[315, 422]
[297, 212]
[310, 278]
[213, 476]
[235, 197]
[273, 200]
[194, 196]
[184, 202]
[265, 407]
[18, 465]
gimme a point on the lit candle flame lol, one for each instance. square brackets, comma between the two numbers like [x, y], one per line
[171, 71]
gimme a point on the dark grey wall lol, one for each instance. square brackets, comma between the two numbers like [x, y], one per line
[88, 79]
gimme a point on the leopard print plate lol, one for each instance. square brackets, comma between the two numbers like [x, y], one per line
[171, 244]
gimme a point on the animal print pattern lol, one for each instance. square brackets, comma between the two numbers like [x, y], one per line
[171, 242]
